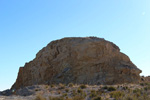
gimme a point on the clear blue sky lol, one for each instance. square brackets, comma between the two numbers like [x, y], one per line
[26, 26]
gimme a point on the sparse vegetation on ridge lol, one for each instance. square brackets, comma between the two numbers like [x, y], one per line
[88, 92]
[39, 97]
[83, 86]
[118, 92]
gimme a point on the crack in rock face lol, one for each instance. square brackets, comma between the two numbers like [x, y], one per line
[81, 60]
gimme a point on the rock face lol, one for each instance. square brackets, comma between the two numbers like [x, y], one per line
[145, 79]
[88, 60]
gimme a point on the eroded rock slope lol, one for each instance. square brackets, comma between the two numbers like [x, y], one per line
[88, 60]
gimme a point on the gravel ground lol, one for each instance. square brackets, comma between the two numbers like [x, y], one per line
[31, 92]
[17, 97]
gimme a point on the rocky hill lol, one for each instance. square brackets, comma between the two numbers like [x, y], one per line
[88, 60]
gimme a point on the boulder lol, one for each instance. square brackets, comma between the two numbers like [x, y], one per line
[145, 79]
[80, 60]
[7, 92]
[27, 91]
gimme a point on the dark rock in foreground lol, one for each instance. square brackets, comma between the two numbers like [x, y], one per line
[6, 92]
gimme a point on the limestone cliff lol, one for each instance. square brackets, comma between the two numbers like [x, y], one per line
[88, 60]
